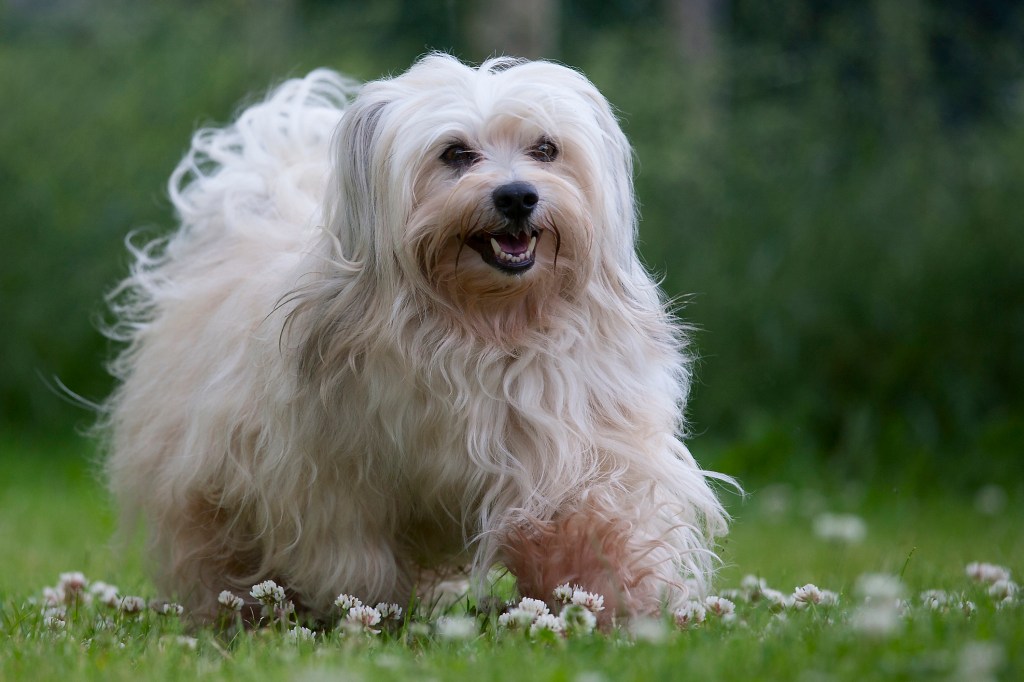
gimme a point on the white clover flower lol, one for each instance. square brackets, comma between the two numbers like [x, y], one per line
[734, 595]
[456, 627]
[105, 594]
[563, 593]
[547, 623]
[132, 605]
[689, 614]
[752, 583]
[967, 607]
[1006, 602]
[284, 609]
[591, 601]
[268, 593]
[776, 600]
[347, 601]
[53, 596]
[578, 619]
[105, 623]
[846, 528]
[534, 606]
[73, 582]
[60, 611]
[99, 587]
[1003, 589]
[229, 601]
[365, 617]
[186, 641]
[392, 611]
[754, 587]
[876, 619]
[980, 661]
[719, 606]
[990, 500]
[650, 630]
[171, 609]
[936, 600]
[811, 594]
[300, 634]
[516, 619]
[879, 587]
[54, 623]
[987, 573]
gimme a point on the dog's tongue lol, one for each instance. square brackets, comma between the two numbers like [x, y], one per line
[513, 244]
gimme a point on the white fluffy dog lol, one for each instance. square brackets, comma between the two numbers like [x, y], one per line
[403, 328]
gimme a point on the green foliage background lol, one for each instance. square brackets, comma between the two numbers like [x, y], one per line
[835, 200]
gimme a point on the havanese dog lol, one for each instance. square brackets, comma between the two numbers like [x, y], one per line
[402, 330]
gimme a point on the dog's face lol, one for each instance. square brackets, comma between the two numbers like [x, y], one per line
[497, 190]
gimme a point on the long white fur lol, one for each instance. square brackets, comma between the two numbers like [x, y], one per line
[300, 400]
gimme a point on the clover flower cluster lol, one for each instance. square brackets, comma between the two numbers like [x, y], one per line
[879, 608]
[74, 594]
[840, 528]
[753, 590]
[577, 611]
[361, 618]
[1001, 588]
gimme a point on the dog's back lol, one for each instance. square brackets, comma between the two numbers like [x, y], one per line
[249, 199]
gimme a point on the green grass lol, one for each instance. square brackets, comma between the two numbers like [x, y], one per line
[56, 518]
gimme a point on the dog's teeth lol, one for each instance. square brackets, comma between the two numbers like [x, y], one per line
[533, 245]
[496, 247]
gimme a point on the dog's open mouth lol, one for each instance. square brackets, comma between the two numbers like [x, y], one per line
[506, 251]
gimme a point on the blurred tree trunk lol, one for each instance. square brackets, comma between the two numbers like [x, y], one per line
[695, 26]
[520, 28]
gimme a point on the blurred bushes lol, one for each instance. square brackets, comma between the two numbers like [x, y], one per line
[836, 197]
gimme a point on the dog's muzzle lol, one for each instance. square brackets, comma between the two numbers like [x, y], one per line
[510, 248]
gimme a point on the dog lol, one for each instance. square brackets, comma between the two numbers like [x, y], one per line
[403, 330]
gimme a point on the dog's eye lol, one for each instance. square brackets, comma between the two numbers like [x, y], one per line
[459, 156]
[545, 151]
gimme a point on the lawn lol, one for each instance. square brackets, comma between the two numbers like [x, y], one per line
[55, 518]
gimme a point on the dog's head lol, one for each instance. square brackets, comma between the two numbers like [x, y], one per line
[496, 190]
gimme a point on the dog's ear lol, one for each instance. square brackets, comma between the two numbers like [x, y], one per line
[614, 157]
[359, 171]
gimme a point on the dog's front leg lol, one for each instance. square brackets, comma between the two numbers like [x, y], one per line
[633, 552]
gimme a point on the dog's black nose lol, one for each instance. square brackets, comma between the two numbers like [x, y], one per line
[515, 200]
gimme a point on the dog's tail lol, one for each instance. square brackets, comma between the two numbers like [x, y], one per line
[253, 187]
[275, 156]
